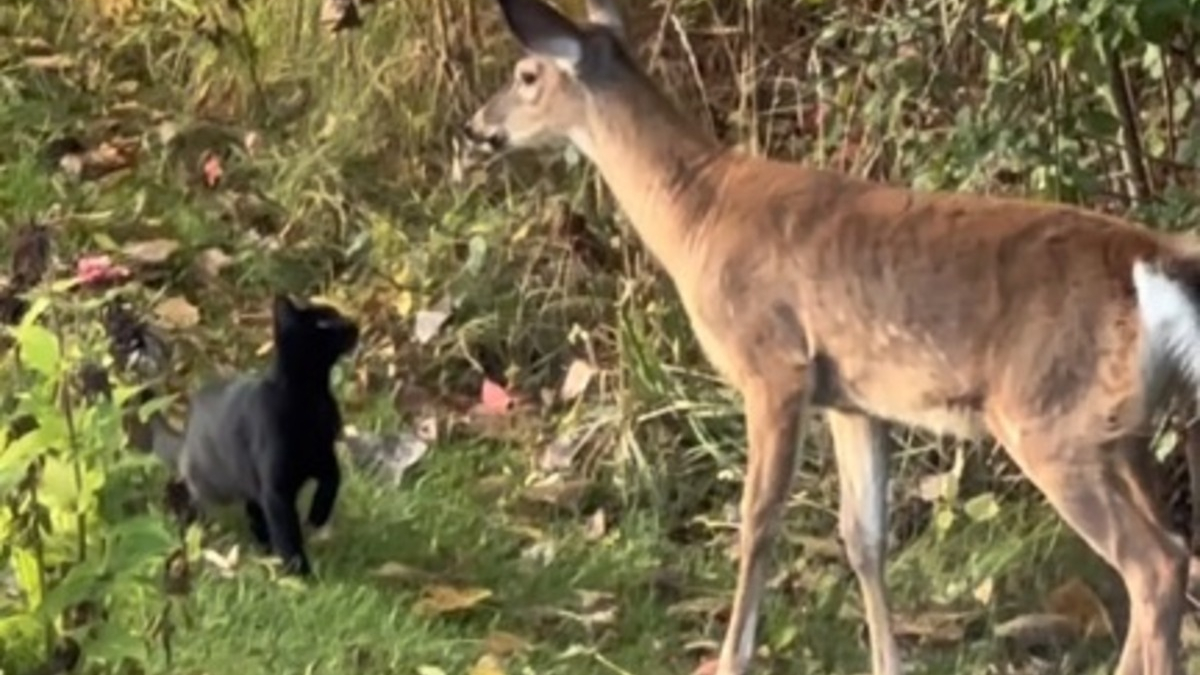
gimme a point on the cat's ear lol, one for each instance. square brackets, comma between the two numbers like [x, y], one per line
[283, 310]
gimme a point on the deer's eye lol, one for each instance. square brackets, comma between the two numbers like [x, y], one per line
[527, 77]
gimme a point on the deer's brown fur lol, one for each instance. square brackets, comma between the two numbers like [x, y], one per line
[1054, 329]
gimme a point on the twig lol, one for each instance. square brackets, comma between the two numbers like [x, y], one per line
[1131, 151]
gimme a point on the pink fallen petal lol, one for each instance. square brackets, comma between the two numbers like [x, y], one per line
[494, 400]
[96, 269]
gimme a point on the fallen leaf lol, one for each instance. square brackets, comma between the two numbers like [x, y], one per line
[177, 312]
[559, 454]
[50, 62]
[211, 261]
[252, 141]
[427, 323]
[1076, 601]
[596, 527]
[707, 606]
[226, 564]
[494, 399]
[108, 157]
[442, 599]
[395, 571]
[210, 169]
[557, 491]
[151, 251]
[589, 599]
[984, 591]
[430, 670]
[935, 627]
[502, 643]
[338, 15]
[487, 664]
[579, 374]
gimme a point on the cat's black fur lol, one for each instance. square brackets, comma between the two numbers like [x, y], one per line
[259, 438]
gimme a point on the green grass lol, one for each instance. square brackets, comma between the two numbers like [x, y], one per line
[354, 179]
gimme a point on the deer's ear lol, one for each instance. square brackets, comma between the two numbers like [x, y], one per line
[605, 13]
[542, 30]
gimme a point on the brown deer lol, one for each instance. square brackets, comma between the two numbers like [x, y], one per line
[1056, 330]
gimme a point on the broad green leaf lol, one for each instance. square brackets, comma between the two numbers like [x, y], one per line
[37, 307]
[26, 570]
[39, 349]
[136, 542]
[112, 643]
[83, 582]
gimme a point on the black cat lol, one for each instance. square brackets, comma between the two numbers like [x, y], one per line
[259, 438]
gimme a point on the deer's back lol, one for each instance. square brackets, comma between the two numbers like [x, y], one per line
[925, 308]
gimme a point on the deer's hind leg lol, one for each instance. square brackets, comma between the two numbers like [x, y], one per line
[860, 444]
[1105, 492]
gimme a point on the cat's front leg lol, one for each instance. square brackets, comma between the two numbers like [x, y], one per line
[258, 524]
[287, 539]
[329, 480]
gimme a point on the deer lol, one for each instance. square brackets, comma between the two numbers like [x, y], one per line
[1057, 331]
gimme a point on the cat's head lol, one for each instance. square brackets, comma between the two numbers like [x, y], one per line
[315, 332]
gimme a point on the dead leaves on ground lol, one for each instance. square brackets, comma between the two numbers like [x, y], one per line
[177, 313]
[443, 599]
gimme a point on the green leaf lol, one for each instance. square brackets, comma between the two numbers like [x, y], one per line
[39, 348]
[112, 643]
[58, 489]
[982, 508]
[25, 569]
[37, 307]
[84, 581]
[136, 542]
[16, 456]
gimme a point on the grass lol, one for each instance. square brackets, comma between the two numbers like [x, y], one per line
[350, 183]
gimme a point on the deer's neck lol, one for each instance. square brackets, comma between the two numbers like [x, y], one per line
[664, 172]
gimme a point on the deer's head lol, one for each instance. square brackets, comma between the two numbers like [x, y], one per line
[567, 68]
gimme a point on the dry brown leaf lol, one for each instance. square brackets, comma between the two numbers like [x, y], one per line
[395, 571]
[579, 374]
[151, 251]
[596, 527]
[557, 491]
[442, 599]
[703, 606]
[177, 312]
[984, 591]
[211, 261]
[487, 664]
[114, 9]
[1076, 601]
[108, 157]
[502, 643]
[338, 15]
[50, 62]
[934, 627]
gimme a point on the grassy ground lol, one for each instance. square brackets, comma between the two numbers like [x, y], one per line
[474, 563]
